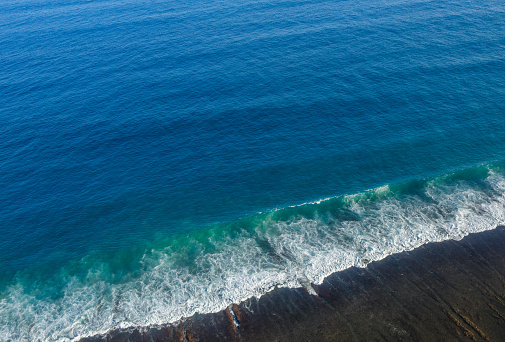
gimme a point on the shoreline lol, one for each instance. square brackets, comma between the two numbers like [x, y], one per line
[449, 290]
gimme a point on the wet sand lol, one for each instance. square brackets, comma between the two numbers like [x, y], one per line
[446, 291]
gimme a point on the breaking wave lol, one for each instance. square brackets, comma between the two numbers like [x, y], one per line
[206, 270]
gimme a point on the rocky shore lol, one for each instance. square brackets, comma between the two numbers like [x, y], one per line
[446, 291]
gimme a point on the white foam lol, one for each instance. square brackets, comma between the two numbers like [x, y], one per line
[238, 268]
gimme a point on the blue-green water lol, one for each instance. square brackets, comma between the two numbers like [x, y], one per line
[160, 158]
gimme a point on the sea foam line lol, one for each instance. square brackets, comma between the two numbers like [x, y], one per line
[206, 272]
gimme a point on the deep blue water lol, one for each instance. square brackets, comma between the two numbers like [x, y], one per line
[161, 158]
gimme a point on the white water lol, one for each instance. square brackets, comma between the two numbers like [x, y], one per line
[187, 277]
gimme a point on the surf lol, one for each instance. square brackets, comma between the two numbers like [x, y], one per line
[207, 269]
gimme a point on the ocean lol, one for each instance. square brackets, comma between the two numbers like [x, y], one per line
[163, 158]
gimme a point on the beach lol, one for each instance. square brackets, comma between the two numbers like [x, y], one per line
[444, 291]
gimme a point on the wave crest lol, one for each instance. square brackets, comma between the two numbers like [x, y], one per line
[206, 270]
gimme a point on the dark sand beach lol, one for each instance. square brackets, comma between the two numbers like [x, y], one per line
[446, 291]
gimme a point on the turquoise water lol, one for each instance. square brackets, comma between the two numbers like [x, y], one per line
[159, 159]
